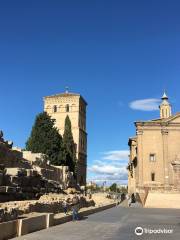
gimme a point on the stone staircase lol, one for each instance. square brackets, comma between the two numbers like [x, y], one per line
[163, 200]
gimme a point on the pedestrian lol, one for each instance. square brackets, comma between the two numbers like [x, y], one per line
[129, 201]
[133, 198]
[64, 205]
[75, 207]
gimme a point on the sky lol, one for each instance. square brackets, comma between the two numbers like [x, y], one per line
[119, 55]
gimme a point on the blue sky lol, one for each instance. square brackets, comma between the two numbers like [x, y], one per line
[112, 52]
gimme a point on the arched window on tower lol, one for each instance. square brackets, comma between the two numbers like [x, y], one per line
[55, 108]
[67, 108]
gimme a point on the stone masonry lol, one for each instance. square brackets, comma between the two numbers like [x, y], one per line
[72, 104]
[154, 162]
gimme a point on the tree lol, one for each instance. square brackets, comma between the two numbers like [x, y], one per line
[113, 187]
[45, 138]
[69, 147]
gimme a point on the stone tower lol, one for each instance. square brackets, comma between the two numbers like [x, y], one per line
[165, 107]
[72, 104]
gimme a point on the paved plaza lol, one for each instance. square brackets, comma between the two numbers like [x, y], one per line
[116, 223]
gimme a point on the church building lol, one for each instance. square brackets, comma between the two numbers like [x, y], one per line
[154, 160]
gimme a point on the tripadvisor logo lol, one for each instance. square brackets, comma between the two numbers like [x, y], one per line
[139, 231]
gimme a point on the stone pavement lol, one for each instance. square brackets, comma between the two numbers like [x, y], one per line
[115, 224]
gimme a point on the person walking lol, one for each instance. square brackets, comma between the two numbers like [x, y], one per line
[129, 201]
[64, 205]
[75, 207]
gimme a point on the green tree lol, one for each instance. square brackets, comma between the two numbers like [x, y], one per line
[69, 147]
[45, 138]
[113, 187]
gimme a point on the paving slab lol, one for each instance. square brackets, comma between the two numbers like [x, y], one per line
[115, 224]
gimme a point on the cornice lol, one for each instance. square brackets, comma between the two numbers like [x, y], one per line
[65, 96]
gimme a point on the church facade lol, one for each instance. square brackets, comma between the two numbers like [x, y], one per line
[154, 160]
[72, 104]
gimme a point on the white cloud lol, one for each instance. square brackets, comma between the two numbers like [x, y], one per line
[111, 167]
[108, 172]
[108, 169]
[149, 104]
[116, 155]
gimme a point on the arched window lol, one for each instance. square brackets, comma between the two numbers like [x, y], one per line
[153, 177]
[55, 108]
[67, 108]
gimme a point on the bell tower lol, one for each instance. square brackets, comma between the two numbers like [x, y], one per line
[72, 104]
[165, 107]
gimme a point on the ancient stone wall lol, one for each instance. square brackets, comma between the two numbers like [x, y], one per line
[26, 179]
[59, 174]
[51, 203]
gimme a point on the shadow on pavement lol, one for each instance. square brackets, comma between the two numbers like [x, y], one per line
[83, 218]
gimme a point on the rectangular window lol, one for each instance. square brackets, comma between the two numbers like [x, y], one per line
[152, 177]
[67, 108]
[152, 157]
[55, 108]
[136, 150]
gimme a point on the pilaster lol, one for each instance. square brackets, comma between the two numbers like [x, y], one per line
[139, 133]
[164, 133]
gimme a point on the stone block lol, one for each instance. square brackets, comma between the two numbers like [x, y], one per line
[32, 224]
[8, 229]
